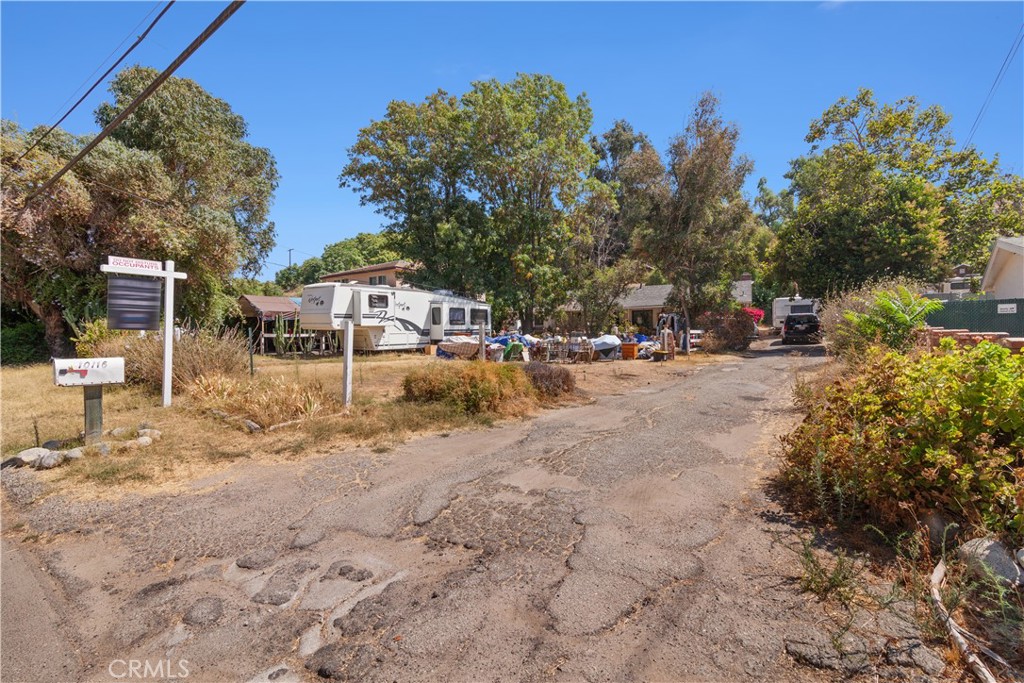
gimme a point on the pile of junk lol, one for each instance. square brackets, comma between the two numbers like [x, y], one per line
[576, 348]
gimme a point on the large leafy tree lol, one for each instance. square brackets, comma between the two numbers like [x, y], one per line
[859, 224]
[177, 181]
[699, 226]
[116, 199]
[611, 206]
[886, 191]
[479, 189]
[223, 182]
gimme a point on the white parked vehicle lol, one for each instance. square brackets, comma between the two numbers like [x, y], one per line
[390, 318]
[789, 305]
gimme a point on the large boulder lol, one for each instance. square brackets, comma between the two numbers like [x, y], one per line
[30, 455]
[988, 557]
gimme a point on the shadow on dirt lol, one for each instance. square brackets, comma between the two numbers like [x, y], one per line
[774, 347]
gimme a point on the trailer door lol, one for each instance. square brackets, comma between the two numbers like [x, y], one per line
[436, 323]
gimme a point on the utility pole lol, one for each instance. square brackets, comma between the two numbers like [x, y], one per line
[290, 257]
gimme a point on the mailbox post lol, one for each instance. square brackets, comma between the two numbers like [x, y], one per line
[90, 374]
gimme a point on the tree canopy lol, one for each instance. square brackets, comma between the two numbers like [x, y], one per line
[479, 189]
[700, 225]
[363, 249]
[887, 192]
[176, 181]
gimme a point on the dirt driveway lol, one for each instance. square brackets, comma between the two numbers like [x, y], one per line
[629, 539]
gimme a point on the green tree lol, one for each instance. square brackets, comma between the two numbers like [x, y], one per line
[903, 139]
[479, 190]
[364, 249]
[223, 184]
[176, 181]
[117, 200]
[854, 224]
[699, 225]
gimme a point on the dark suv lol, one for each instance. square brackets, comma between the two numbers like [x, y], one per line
[801, 327]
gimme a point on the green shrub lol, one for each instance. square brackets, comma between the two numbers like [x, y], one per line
[472, 387]
[906, 434]
[197, 353]
[550, 380]
[880, 312]
[23, 343]
[93, 333]
[892, 317]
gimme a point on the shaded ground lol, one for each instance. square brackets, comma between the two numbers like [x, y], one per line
[625, 540]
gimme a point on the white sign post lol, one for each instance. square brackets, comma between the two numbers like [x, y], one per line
[347, 365]
[130, 266]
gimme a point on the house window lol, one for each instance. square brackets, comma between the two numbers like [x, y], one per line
[378, 300]
[378, 279]
[456, 316]
[478, 316]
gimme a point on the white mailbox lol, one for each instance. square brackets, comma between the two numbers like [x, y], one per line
[87, 372]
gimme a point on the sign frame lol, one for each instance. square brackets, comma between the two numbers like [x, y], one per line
[123, 265]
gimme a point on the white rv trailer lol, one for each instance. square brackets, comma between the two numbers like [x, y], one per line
[786, 305]
[390, 318]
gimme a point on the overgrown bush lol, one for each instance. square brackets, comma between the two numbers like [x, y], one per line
[910, 433]
[730, 331]
[93, 334]
[550, 380]
[197, 353]
[881, 312]
[472, 387]
[266, 401]
[23, 343]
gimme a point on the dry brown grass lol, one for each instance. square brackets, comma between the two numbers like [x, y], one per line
[196, 444]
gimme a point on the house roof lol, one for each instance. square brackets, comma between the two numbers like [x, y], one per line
[389, 265]
[268, 307]
[646, 296]
[1003, 248]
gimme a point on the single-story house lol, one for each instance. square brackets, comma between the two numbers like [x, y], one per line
[261, 315]
[644, 304]
[391, 273]
[1004, 275]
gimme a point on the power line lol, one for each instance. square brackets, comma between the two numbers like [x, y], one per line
[91, 181]
[105, 60]
[98, 81]
[150, 89]
[1014, 46]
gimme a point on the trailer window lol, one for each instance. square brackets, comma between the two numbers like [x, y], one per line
[456, 316]
[435, 315]
[377, 300]
[478, 316]
[802, 308]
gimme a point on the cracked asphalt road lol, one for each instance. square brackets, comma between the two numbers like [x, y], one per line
[629, 539]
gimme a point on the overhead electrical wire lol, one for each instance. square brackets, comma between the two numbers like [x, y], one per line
[105, 60]
[1007, 62]
[142, 97]
[98, 81]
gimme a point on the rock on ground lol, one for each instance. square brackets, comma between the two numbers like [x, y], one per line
[204, 611]
[987, 557]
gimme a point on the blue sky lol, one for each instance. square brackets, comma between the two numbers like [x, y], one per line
[307, 76]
